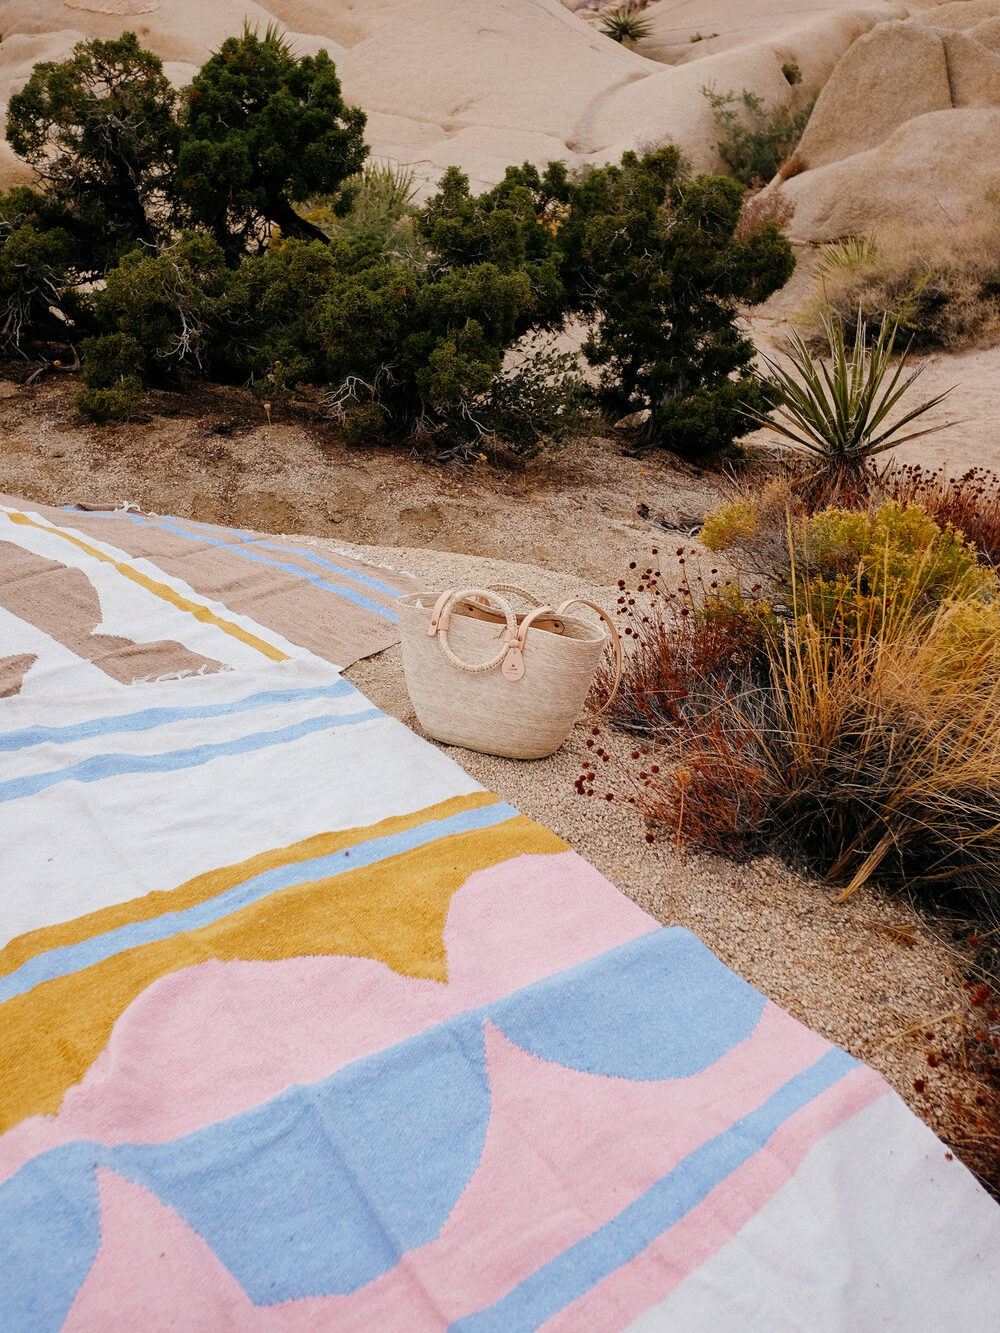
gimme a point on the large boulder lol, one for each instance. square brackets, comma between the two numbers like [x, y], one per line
[973, 70]
[889, 76]
[987, 33]
[960, 14]
[935, 169]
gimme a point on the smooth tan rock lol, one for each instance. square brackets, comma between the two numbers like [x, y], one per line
[973, 71]
[987, 33]
[960, 14]
[890, 75]
[935, 169]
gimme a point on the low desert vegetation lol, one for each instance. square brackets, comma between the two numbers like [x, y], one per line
[829, 689]
[835, 699]
[939, 285]
[236, 231]
[845, 410]
[756, 139]
[626, 24]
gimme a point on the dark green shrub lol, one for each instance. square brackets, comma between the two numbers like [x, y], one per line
[99, 130]
[260, 128]
[35, 260]
[170, 304]
[540, 397]
[419, 347]
[755, 139]
[268, 332]
[515, 227]
[111, 373]
[652, 261]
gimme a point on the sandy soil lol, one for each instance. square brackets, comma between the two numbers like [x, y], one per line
[221, 462]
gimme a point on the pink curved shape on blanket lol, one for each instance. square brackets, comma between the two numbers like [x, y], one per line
[536, 1191]
[215, 1039]
[675, 1254]
[153, 1271]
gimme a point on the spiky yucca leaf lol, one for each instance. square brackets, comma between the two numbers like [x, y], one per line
[841, 413]
[625, 25]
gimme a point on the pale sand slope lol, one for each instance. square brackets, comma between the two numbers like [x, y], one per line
[481, 83]
[907, 91]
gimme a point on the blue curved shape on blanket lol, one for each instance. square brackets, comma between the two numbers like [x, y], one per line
[325, 1187]
[314, 1193]
[667, 1011]
[51, 1228]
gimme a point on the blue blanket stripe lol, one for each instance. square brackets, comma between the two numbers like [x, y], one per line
[102, 766]
[573, 1273]
[149, 718]
[76, 957]
[239, 548]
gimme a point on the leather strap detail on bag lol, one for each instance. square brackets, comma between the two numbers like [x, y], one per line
[510, 656]
[441, 619]
[616, 642]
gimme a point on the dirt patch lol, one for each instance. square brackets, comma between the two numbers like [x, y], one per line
[212, 455]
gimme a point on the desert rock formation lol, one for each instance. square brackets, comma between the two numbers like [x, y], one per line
[904, 89]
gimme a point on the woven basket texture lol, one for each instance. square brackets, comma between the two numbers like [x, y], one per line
[523, 719]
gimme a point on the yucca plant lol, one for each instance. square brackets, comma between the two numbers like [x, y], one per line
[851, 252]
[842, 413]
[625, 25]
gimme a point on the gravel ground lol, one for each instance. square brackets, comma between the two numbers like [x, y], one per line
[870, 975]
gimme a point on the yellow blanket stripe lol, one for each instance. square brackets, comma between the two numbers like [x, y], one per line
[393, 911]
[161, 590]
[213, 882]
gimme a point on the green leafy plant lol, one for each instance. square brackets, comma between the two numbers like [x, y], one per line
[36, 255]
[729, 522]
[625, 25]
[842, 415]
[113, 388]
[260, 128]
[653, 263]
[167, 305]
[861, 566]
[539, 397]
[100, 132]
[755, 139]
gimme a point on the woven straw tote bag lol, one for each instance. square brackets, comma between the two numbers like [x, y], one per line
[482, 677]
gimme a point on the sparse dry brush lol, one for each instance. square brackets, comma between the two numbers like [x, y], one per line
[850, 718]
[941, 284]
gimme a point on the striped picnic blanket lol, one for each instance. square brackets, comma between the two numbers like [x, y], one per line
[142, 596]
[300, 1027]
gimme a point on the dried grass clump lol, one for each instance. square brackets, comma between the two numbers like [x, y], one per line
[853, 717]
[969, 503]
[760, 207]
[942, 285]
[881, 763]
